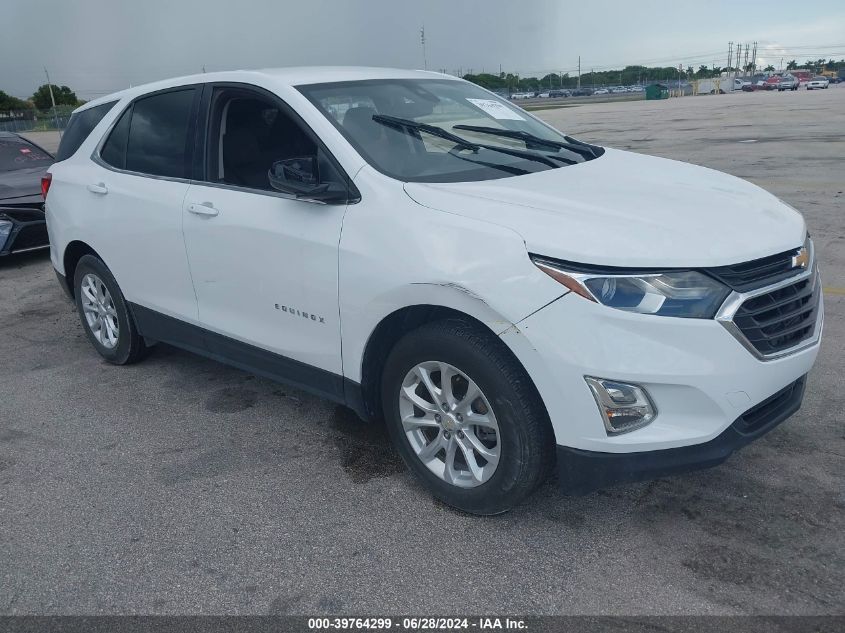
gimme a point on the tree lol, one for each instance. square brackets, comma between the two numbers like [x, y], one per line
[769, 69]
[8, 102]
[62, 94]
[792, 65]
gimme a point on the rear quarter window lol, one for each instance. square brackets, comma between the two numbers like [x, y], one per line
[80, 126]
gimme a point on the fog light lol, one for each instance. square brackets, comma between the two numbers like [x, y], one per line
[624, 407]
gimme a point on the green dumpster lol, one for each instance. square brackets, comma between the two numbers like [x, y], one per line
[656, 91]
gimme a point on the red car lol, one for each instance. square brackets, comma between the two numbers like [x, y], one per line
[772, 83]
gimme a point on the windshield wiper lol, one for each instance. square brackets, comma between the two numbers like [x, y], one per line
[399, 123]
[571, 144]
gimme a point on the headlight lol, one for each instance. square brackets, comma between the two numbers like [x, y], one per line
[685, 293]
[5, 229]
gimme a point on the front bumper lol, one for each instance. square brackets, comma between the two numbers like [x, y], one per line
[581, 472]
[29, 230]
[699, 376]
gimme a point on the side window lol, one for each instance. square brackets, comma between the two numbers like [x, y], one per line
[158, 142]
[80, 126]
[114, 149]
[252, 139]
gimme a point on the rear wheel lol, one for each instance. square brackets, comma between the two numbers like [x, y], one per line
[466, 418]
[104, 313]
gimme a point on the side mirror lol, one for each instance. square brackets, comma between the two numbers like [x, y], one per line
[296, 175]
[301, 177]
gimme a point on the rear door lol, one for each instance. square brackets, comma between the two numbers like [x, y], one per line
[135, 201]
[264, 263]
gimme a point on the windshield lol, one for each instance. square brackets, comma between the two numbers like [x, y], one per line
[441, 130]
[16, 153]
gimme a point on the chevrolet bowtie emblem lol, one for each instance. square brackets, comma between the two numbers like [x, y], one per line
[801, 259]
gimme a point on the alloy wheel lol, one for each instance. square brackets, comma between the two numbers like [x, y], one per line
[99, 310]
[449, 424]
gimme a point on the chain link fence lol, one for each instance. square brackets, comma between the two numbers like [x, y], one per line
[34, 120]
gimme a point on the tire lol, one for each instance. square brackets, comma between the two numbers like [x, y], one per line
[522, 443]
[106, 306]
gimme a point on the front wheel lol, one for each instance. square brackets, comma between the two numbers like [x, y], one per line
[466, 418]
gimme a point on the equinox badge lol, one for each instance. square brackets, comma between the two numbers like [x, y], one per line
[295, 312]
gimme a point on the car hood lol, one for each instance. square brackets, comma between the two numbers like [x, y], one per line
[630, 210]
[20, 183]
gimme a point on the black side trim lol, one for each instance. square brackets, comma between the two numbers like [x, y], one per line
[581, 472]
[155, 326]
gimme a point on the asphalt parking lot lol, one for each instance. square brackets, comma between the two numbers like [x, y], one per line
[182, 486]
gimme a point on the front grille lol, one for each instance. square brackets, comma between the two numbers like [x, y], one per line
[31, 236]
[760, 415]
[780, 319]
[757, 273]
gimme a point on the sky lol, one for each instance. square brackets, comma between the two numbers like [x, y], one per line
[99, 46]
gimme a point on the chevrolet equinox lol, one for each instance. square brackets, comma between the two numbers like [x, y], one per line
[510, 300]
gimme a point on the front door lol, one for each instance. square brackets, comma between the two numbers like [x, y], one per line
[264, 264]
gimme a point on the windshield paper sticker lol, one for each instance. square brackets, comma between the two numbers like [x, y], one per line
[495, 109]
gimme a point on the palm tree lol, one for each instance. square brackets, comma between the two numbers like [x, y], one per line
[769, 69]
[792, 65]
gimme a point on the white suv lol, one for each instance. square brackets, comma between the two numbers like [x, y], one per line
[504, 296]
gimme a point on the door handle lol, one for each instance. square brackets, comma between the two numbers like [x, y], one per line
[204, 208]
[99, 188]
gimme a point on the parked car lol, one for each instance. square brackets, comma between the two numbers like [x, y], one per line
[498, 329]
[788, 82]
[582, 92]
[522, 95]
[817, 83]
[22, 164]
[559, 93]
[602, 91]
[772, 83]
[740, 84]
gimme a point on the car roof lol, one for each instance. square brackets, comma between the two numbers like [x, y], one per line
[4, 134]
[292, 76]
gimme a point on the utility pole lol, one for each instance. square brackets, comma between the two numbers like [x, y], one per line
[579, 71]
[422, 43]
[754, 59]
[730, 54]
[52, 100]
[745, 63]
